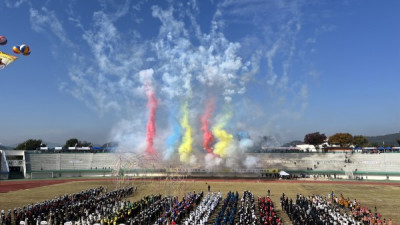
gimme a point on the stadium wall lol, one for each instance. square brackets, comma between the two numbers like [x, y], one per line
[378, 166]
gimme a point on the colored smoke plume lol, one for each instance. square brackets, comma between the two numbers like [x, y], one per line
[173, 140]
[146, 77]
[151, 127]
[185, 149]
[205, 126]
[224, 138]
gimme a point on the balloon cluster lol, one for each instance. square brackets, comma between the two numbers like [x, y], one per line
[17, 49]
[24, 49]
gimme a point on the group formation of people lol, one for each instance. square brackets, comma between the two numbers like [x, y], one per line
[268, 215]
[331, 210]
[247, 210]
[228, 210]
[97, 206]
[202, 214]
[360, 213]
[86, 207]
[314, 210]
[175, 211]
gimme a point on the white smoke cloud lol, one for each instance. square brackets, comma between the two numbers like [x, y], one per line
[128, 139]
[250, 162]
[212, 161]
[190, 58]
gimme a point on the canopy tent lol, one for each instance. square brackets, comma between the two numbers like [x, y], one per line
[283, 173]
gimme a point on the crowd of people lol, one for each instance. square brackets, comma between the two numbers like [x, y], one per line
[228, 211]
[360, 213]
[98, 207]
[86, 207]
[174, 211]
[268, 215]
[331, 210]
[202, 214]
[247, 210]
[314, 210]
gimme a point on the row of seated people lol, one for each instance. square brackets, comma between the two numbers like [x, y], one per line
[360, 213]
[201, 215]
[228, 212]
[267, 212]
[315, 210]
[73, 207]
[247, 209]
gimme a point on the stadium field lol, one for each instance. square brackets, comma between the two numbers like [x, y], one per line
[384, 195]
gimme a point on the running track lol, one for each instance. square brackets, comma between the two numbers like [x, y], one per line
[6, 186]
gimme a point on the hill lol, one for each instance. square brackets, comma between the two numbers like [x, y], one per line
[388, 139]
[2, 147]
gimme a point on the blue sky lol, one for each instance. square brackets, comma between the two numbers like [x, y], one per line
[284, 68]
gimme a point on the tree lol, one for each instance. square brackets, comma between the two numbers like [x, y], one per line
[314, 138]
[30, 144]
[74, 142]
[360, 141]
[71, 143]
[342, 139]
[398, 141]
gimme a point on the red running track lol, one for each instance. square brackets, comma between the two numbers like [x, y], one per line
[6, 186]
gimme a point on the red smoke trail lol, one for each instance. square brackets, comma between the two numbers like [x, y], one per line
[151, 126]
[205, 126]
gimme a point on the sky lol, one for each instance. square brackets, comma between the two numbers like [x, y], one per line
[133, 71]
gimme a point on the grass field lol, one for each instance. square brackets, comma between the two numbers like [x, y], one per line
[385, 197]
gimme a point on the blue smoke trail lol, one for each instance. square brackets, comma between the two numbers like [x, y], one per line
[175, 137]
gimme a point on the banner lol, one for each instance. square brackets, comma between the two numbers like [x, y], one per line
[6, 59]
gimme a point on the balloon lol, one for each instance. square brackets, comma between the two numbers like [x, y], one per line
[26, 54]
[16, 49]
[24, 49]
[3, 40]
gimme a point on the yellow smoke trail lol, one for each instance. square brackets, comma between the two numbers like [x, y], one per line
[225, 139]
[185, 149]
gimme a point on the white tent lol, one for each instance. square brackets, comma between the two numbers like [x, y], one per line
[283, 173]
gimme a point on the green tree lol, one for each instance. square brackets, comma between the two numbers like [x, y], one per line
[74, 142]
[314, 138]
[398, 141]
[360, 141]
[342, 139]
[71, 143]
[30, 144]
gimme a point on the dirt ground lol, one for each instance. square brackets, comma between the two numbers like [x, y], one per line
[384, 195]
